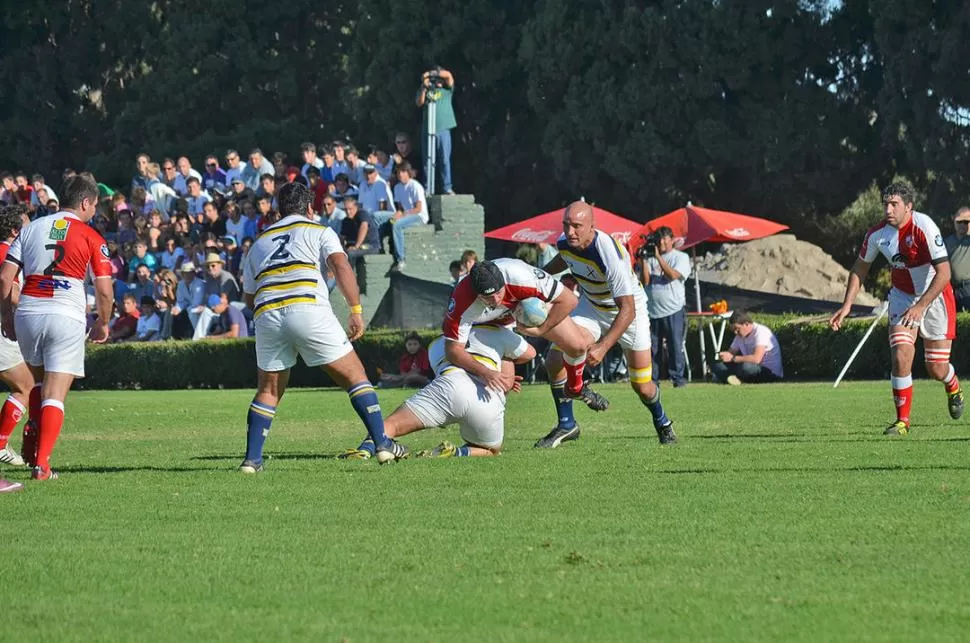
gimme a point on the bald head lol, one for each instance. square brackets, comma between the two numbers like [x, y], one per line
[578, 225]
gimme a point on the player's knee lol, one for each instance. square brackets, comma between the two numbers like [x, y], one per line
[937, 370]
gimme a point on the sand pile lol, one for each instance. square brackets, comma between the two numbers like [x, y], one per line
[780, 264]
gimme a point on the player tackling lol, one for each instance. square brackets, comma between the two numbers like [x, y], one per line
[284, 285]
[612, 309]
[55, 253]
[920, 300]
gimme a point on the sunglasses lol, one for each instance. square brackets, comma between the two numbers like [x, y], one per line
[400, 142]
[169, 167]
[210, 164]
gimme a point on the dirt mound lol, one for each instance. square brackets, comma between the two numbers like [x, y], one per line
[780, 264]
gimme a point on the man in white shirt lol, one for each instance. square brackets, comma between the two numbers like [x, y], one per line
[189, 302]
[196, 199]
[184, 173]
[409, 195]
[234, 165]
[754, 355]
[663, 273]
[149, 323]
[374, 195]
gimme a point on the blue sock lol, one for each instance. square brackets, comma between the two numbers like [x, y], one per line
[656, 409]
[364, 400]
[258, 422]
[462, 451]
[564, 405]
[367, 445]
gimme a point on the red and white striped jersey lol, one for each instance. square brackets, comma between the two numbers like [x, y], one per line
[55, 253]
[911, 251]
[522, 281]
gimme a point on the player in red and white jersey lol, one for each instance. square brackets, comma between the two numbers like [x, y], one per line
[13, 372]
[55, 253]
[920, 300]
[490, 293]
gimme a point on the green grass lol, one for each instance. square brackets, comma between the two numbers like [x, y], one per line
[783, 514]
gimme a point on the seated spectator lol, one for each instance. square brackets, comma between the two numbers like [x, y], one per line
[212, 224]
[189, 302]
[468, 259]
[310, 159]
[414, 211]
[234, 166]
[8, 191]
[238, 226]
[142, 258]
[214, 179]
[218, 281]
[355, 166]
[414, 369]
[160, 193]
[242, 193]
[326, 171]
[229, 321]
[341, 188]
[406, 154]
[455, 269]
[39, 184]
[196, 199]
[264, 205]
[267, 188]
[24, 189]
[374, 195]
[119, 268]
[293, 176]
[126, 325]
[126, 229]
[332, 216]
[358, 230]
[142, 286]
[172, 255]
[184, 174]
[233, 254]
[383, 162]
[340, 165]
[319, 187]
[149, 326]
[754, 355]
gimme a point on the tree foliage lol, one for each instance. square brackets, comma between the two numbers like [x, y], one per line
[781, 108]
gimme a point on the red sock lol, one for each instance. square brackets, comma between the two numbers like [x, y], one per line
[903, 397]
[574, 377]
[951, 382]
[10, 415]
[51, 420]
[33, 403]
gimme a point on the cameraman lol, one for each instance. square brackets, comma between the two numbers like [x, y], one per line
[438, 85]
[663, 271]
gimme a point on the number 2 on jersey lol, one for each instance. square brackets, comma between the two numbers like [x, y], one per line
[59, 251]
[281, 251]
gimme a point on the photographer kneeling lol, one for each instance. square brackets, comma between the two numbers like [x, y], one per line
[663, 271]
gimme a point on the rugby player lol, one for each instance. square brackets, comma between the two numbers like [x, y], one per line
[612, 309]
[284, 285]
[920, 301]
[55, 253]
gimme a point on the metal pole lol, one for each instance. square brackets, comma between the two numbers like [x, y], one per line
[883, 309]
[431, 143]
[697, 299]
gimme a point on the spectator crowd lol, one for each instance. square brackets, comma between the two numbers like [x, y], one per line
[176, 237]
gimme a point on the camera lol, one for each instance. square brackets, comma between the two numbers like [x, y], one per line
[649, 247]
[435, 80]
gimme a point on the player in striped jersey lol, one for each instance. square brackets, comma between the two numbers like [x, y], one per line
[284, 285]
[921, 300]
[612, 309]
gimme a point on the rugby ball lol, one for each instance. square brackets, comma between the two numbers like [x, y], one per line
[531, 312]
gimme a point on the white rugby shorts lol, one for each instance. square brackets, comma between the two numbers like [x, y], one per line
[940, 320]
[9, 354]
[635, 338]
[456, 397]
[55, 342]
[310, 330]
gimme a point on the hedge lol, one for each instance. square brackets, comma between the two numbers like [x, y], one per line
[810, 352]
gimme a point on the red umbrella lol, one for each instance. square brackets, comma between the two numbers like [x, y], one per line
[546, 228]
[692, 225]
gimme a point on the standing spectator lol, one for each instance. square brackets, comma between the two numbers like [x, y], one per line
[185, 173]
[375, 195]
[141, 178]
[414, 211]
[229, 321]
[438, 86]
[958, 248]
[38, 182]
[663, 276]
[196, 199]
[255, 169]
[754, 355]
[234, 166]
[310, 159]
[189, 302]
[126, 325]
[358, 230]
[405, 153]
[172, 256]
[149, 325]
[214, 179]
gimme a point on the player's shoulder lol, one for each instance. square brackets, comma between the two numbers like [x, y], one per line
[608, 248]
[925, 223]
[880, 228]
[291, 222]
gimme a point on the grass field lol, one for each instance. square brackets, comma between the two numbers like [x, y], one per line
[784, 514]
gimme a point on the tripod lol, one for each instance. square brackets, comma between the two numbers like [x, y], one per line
[431, 142]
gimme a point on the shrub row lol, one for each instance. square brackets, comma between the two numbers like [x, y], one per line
[810, 351]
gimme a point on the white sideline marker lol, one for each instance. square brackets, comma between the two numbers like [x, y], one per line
[882, 309]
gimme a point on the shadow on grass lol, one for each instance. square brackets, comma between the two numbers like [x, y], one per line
[93, 469]
[277, 456]
[888, 467]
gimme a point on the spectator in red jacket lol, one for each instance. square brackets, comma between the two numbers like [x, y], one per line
[414, 367]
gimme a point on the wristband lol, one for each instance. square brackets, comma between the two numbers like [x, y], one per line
[356, 310]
